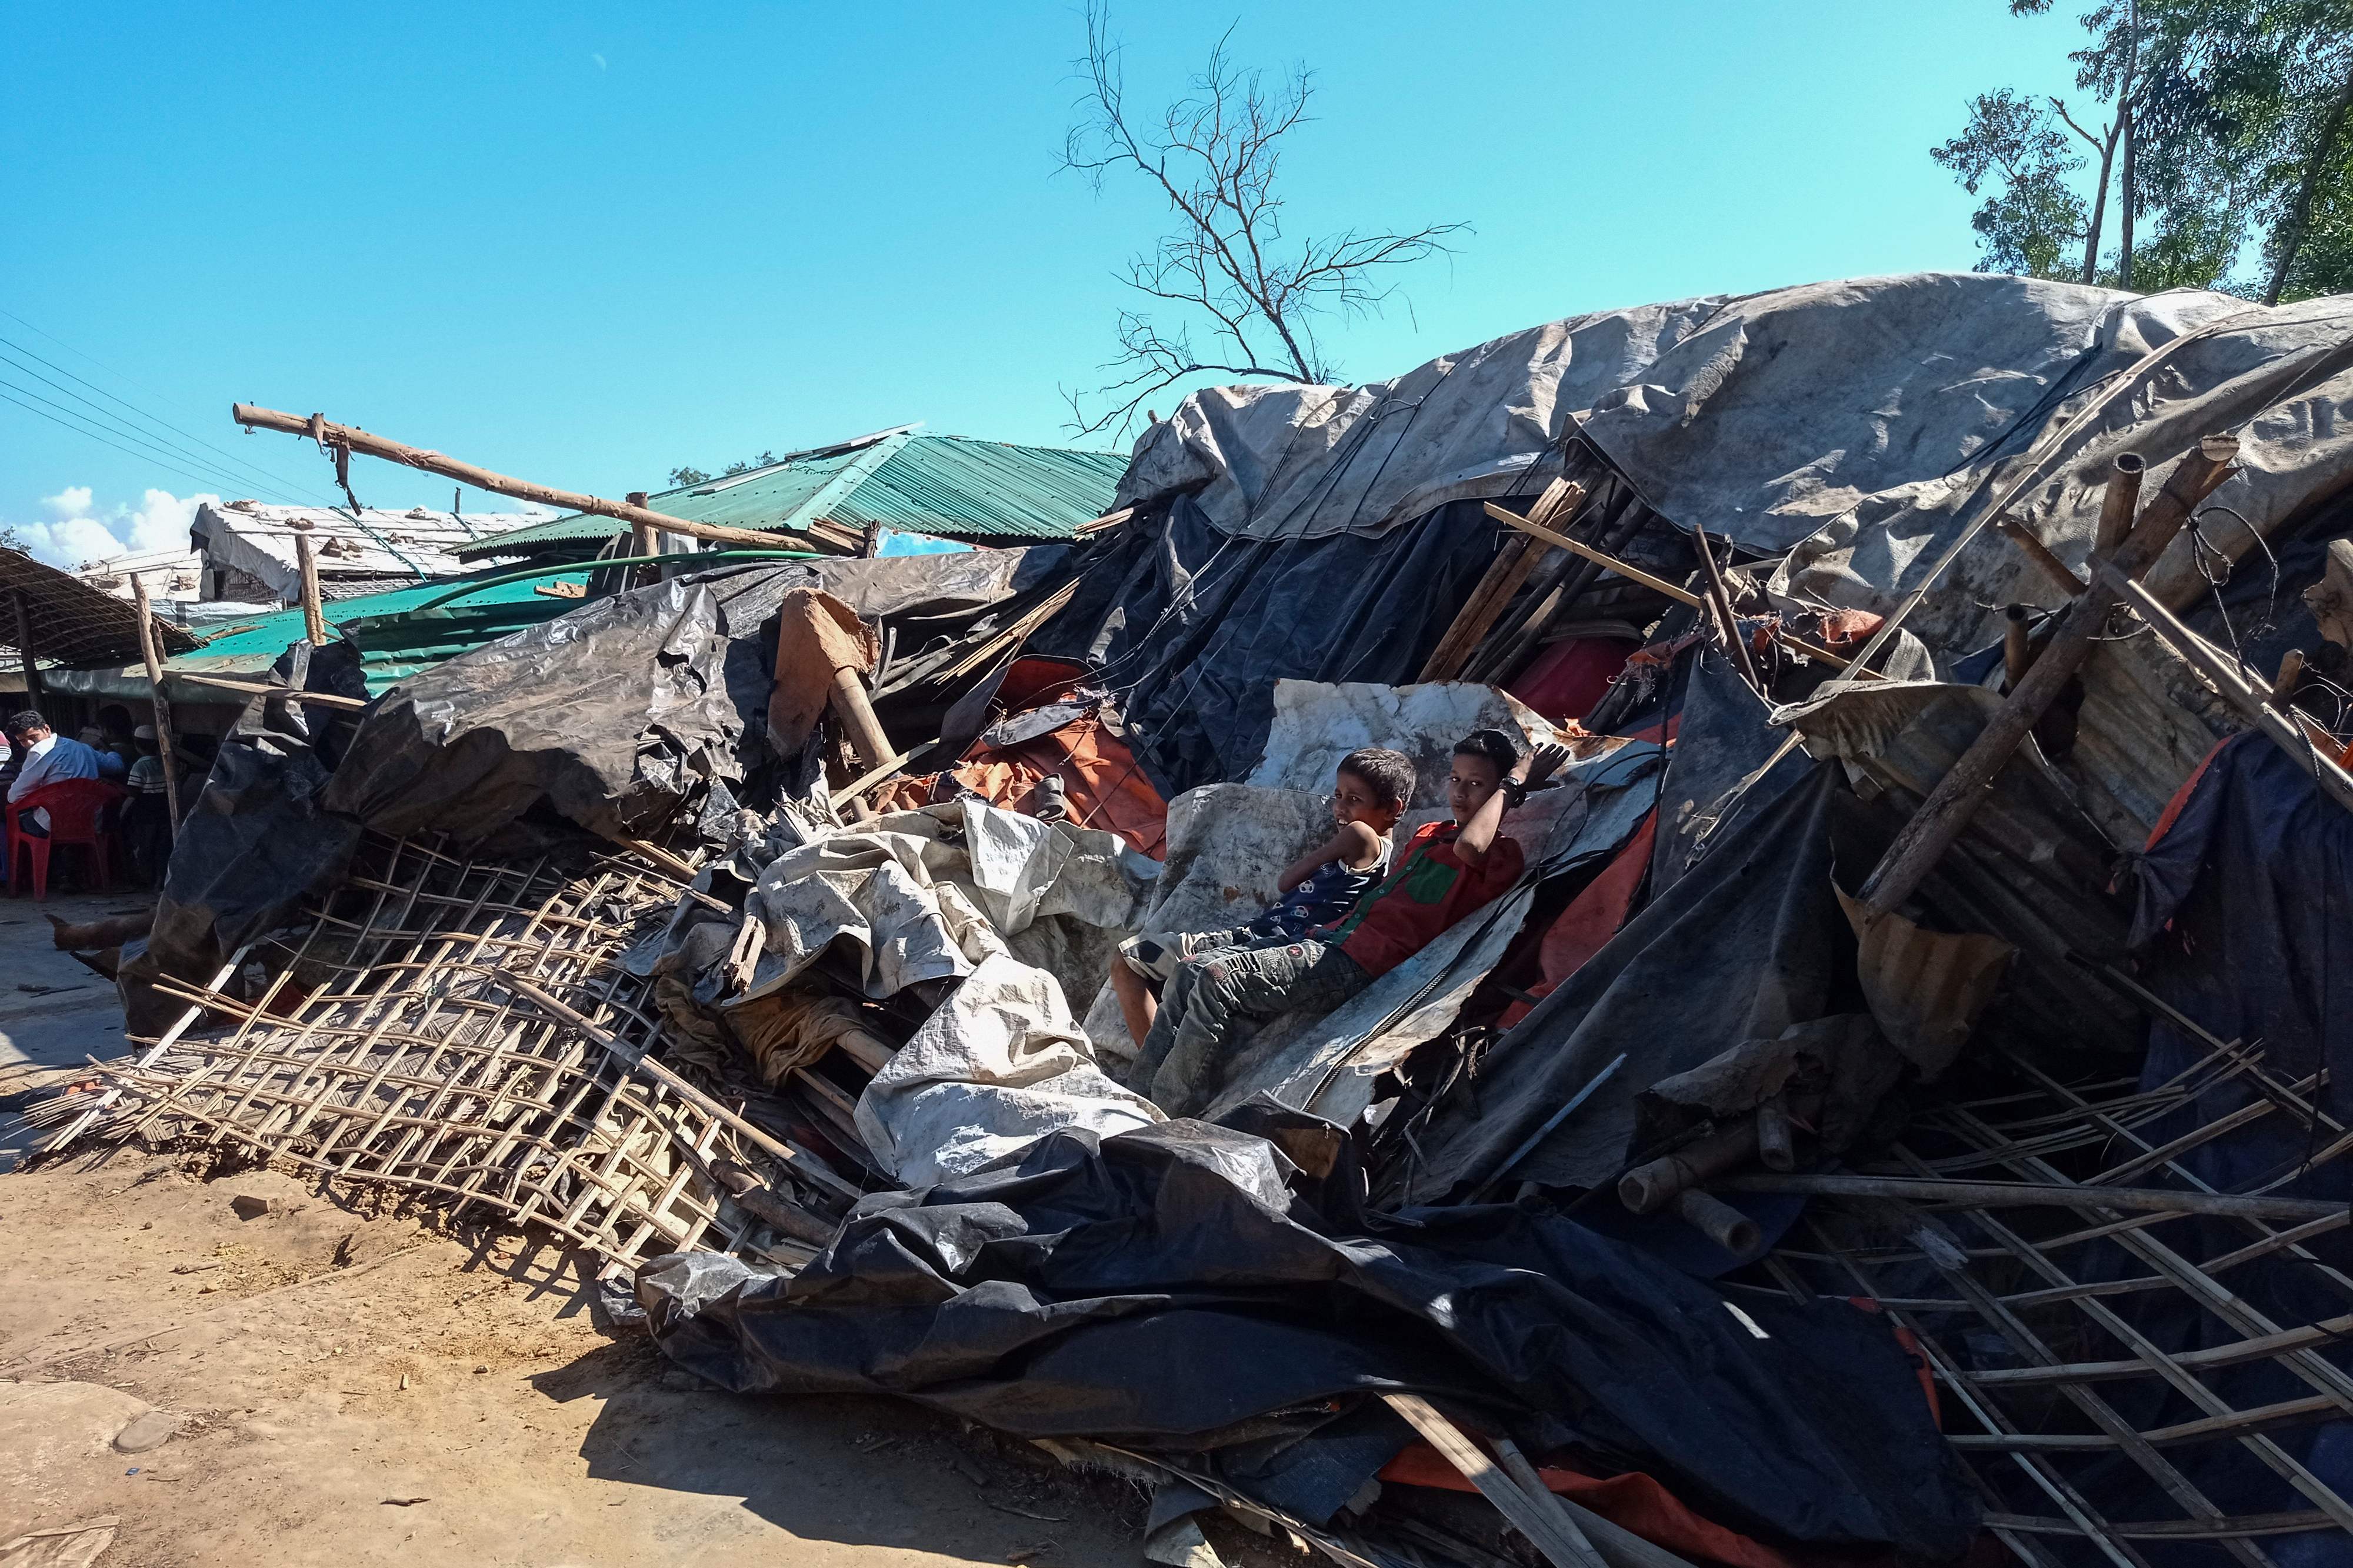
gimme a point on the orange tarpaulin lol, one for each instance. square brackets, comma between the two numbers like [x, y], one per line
[1632, 1501]
[1591, 918]
[1102, 785]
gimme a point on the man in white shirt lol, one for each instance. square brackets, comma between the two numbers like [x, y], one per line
[49, 758]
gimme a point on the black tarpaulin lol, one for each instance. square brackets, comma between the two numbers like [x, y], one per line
[258, 840]
[1192, 628]
[1742, 949]
[1169, 1288]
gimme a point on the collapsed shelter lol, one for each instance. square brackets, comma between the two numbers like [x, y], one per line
[1893, 1111]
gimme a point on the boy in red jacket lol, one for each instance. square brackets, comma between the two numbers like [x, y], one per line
[1447, 871]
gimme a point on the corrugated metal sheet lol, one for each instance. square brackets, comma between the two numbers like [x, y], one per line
[409, 546]
[950, 486]
[393, 650]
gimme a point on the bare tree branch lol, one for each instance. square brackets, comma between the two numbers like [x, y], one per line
[1215, 155]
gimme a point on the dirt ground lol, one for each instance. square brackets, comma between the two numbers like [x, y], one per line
[354, 1390]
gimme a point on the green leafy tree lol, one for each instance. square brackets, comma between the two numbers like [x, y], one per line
[2013, 152]
[2230, 127]
[681, 477]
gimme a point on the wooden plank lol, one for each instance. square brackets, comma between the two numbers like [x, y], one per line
[165, 748]
[1560, 1542]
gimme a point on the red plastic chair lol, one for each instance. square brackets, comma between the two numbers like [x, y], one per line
[81, 812]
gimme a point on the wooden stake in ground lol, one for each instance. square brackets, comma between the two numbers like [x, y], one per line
[314, 612]
[360, 441]
[163, 743]
[34, 690]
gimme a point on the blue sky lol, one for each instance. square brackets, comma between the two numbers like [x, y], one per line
[587, 244]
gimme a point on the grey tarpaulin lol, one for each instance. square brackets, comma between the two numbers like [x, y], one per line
[1185, 1286]
[1763, 418]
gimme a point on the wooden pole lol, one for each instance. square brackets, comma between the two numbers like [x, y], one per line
[1677, 592]
[164, 744]
[34, 690]
[1505, 575]
[1946, 812]
[431, 462]
[1726, 622]
[2017, 644]
[867, 736]
[314, 613]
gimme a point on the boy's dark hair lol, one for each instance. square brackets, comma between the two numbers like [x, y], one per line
[1493, 745]
[27, 719]
[1389, 773]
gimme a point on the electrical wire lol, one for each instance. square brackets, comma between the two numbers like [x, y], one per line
[99, 412]
[95, 436]
[281, 480]
[186, 462]
[81, 424]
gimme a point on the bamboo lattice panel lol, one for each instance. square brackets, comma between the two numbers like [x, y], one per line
[2183, 1362]
[408, 1061]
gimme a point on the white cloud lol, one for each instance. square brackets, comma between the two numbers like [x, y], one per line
[79, 534]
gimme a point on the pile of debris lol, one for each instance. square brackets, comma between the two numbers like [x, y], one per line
[1891, 1112]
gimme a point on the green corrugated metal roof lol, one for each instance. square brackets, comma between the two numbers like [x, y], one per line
[952, 486]
[392, 649]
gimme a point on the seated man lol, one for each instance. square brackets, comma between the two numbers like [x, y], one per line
[1370, 790]
[1447, 871]
[49, 757]
[112, 765]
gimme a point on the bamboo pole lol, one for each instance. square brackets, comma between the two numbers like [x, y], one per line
[2034, 1195]
[164, 745]
[1726, 622]
[315, 613]
[360, 441]
[34, 690]
[867, 736]
[1674, 591]
[1551, 1532]
[1949, 808]
[2118, 504]
[1503, 579]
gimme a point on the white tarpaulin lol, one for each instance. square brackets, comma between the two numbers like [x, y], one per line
[953, 893]
[1000, 1064]
[1318, 722]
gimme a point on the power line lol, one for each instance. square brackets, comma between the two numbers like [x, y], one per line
[271, 475]
[203, 473]
[98, 415]
[97, 437]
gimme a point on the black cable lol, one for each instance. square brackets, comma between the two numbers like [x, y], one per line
[277, 479]
[97, 437]
[208, 475]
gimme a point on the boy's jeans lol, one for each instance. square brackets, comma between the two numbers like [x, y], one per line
[1181, 1064]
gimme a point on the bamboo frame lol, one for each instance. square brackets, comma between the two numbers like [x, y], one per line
[400, 1043]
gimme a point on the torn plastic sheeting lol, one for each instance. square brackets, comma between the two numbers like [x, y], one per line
[1318, 723]
[999, 1065]
[1193, 629]
[1741, 952]
[1327, 1066]
[1171, 1287]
